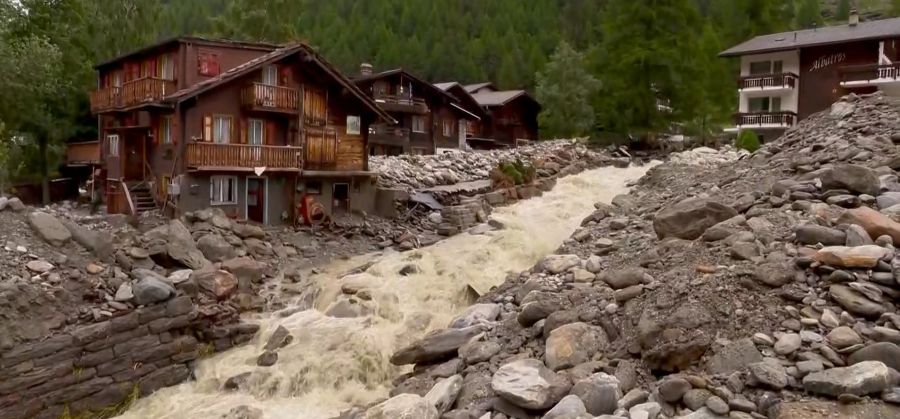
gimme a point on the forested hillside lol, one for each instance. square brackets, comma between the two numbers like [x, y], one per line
[626, 53]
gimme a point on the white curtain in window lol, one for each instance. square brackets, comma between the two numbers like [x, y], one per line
[222, 130]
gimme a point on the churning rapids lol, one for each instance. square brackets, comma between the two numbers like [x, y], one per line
[335, 363]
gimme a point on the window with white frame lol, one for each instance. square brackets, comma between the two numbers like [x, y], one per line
[165, 130]
[270, 75]
[222, 129]
[166, 69]
[255, 130]
[222, 190]
[112, 144]
[418, 123]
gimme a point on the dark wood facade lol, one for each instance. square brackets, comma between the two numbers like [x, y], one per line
[239, 130]
[510, 116]
[428, 119]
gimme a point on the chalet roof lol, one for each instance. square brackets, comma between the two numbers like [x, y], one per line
[500, 98]
[265, 46]
[433, 88]
[269, 58]
[465, 98]
[828, 35]
[446, 86]
[473, 87]
[361, 78]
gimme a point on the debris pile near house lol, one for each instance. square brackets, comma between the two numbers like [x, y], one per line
[424, 171]
[761, 287]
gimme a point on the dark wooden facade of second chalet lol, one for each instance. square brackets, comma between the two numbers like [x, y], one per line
[249, 128]
[428, 119]
[510, 116]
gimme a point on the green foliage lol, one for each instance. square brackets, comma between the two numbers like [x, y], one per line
[809, 14]
[564, 89]
[747, 140]
[843, 10]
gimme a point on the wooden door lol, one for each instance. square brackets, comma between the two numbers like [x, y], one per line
[340, 198]
[256, 200]
[134, 149]
[321, 149]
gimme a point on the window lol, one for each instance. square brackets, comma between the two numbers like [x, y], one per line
[777, 67]
[166, 66]
[448, 127]
[270, 75]
[766, 67]
[765, 104]
[255, 131]
[353, 125]
[775, 105]
[208, 64]
[418, 123]
[112, 144]
[222, 129]
[419, 151]
[222, 190]
[313, 188]
[165, 130]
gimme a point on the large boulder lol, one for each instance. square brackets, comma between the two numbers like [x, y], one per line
[852, 177]
[570, 407]
[15, 204]
[435, 346]
[556, 264]
[855, 302]
[852, 257]
[813, 233]
[874, 222]
[626, 277]
[775, 273]
[444, 393]
[689, 218]
[150, 290]
[600, 392]
[98, 242]
[403, 406]
[245, 269]
[527, 383]
[215, 248]
[858, 379]
[218, 283]
[476, 314]
[886, 352]
[246, 231]
[572, 344]
[49, 228]
[734, 356]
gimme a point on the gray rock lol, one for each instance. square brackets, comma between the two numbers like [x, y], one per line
[476, 314]
[280, 338]
[787, 344]
[860, 379]
[633, 397]
[852, 177]
[745, 251]
[775, 273]
[810, 366]
[435, 346]
[600, 392]
[573, 344]
[527, 383]
[98, 242]
[695, 398]
[690, 218]
[402, 406]
[843, 337]
[855, 302]
[717, 405]
[813, 233]
[49, 228]
[267, 359]
[570, 407]
[475, 352]
[626, 277]
[735, 356]
[888, 199]
[150, 290]
[857, 236]
[215, 248]
[246, 231]
[703, 413]
[39, 266]
[672, 389]
[444, 393]
[769, 373]
[124, 293]
[556, 264]
[648, 410]
[15, 204]
[537, 305]
[886, 352]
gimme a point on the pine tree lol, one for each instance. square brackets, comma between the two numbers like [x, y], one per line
[809, 15]
[564, 88]
[843, 11]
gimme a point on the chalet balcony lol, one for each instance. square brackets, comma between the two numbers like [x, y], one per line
[131, 94]
[242, 157]
[389, 135]
[401, 103]
[268, 98]
[767, 82]
[870, 75]
[83, 154]
[764, 120]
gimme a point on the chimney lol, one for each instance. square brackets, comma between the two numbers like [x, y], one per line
[365, 69]
[854, 18]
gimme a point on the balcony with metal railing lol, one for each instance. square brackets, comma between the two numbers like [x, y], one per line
[775, 120]
[769, 83]
[870, 75]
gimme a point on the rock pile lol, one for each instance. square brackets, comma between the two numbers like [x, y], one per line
[423, 171]
[764, 287]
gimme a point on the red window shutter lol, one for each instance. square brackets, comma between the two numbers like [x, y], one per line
[270, 133]
[203, 63]
[214, 65]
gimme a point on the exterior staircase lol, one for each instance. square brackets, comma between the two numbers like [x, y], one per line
[142, 196]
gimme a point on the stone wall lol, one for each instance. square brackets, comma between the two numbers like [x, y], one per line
[102, 366]
[473, 210]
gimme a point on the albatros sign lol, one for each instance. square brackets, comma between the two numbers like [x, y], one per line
[826, 61]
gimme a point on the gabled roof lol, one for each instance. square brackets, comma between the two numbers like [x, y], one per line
[828, 35]
[501, 98]
[465, 98]
[263, 46]
[446, 86]
[269, 58]
[473, 87]
[362, 79]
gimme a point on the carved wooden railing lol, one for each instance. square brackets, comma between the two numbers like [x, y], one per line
[213, 155]
[761, 81]
[783, 118]
[277, 98]
[106, 98]
[147, 89]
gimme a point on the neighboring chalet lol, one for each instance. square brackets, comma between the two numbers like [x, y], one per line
[429, 119]
[510, 116]
[787, 76]
[254, 129]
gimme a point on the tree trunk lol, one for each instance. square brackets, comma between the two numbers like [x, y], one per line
[45, 175]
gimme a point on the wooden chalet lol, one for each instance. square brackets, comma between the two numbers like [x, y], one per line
[429, 119]
[251, 128]
[510, 116]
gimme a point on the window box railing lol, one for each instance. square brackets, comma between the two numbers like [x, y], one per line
[782, 118]
[87, 152]
[870, 72]
[260, 96]
[774, 80]
[242, 156]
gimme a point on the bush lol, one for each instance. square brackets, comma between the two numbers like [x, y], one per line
[748, 141]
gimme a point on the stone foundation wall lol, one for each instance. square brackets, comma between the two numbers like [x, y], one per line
[102, 366]
[474, 210]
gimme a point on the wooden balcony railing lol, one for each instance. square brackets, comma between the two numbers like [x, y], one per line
[131, 93]
[213, 156]
[258, 96]
[82, 153]
[784, 118]
[762, 81]
[870, 72]
[401, 103]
